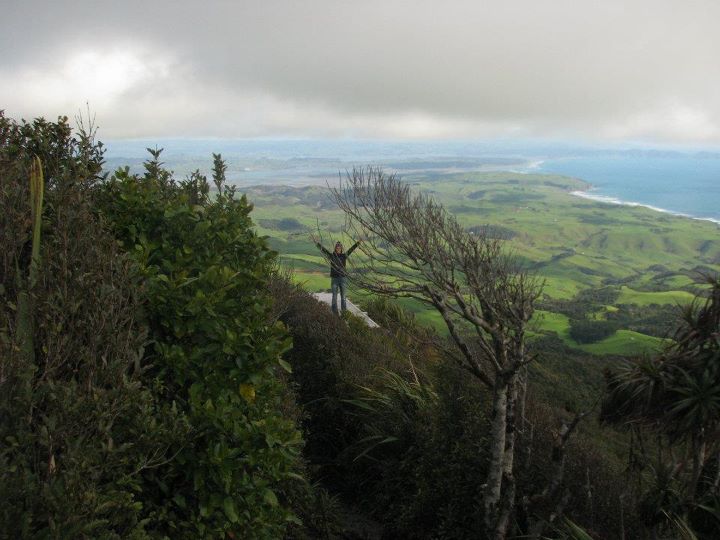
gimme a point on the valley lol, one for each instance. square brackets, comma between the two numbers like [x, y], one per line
[643, 264]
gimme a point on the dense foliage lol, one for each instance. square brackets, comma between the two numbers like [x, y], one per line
[78, 424]
[214, 348]
[595, 314]
[146, 390]
[402, 434]
[152, 404]
[675, 399]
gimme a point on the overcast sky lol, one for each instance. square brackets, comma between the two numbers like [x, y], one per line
[579, 70]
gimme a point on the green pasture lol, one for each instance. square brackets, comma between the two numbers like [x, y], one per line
[625, 343]
[546, 321]
[622, 342]
[629, 296]
[560, 288]
[313, 281]
[571, 243]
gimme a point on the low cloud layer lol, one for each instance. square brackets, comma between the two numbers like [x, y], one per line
[642, 70]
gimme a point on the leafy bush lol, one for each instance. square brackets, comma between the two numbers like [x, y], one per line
[215, 350]
[144, 396]
[78, 426]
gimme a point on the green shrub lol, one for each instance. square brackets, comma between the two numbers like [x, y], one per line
[151, 402]
[216, 351]
[386, 425]
[78, 426]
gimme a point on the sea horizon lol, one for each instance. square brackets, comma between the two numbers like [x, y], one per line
[681, 182]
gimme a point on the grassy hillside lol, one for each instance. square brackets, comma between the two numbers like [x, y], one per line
[649, 258]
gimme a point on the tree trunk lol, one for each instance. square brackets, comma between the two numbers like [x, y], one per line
[507, 505]
[493, 485]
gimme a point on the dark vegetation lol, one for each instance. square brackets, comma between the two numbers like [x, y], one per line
[144, 399]
[405, 438]
[477, 194]
[671, 406]
[654, 320]
[591, 330]
[591, 321]
[161, 378]
[79, 424]
[284, 224]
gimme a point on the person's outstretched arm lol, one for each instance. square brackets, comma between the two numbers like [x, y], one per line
[356, 244]
[321, 248]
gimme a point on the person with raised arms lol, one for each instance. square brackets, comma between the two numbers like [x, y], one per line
[338, 272]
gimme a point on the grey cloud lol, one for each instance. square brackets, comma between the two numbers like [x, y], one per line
[625, 69]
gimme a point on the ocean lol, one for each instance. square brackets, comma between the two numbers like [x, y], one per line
[687, 185]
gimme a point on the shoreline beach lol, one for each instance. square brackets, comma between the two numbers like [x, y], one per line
[614, 200]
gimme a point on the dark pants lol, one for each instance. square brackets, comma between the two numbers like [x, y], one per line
[338, 284]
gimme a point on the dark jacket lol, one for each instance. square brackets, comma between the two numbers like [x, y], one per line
[338, 260]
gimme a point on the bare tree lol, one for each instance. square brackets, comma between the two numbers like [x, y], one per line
[414, 248]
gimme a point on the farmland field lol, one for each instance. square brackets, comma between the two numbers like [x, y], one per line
[645, 257]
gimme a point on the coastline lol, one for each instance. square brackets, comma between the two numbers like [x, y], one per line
[614, 200]
[682, 186]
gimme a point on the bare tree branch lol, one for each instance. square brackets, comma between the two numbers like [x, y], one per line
[415, 249]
